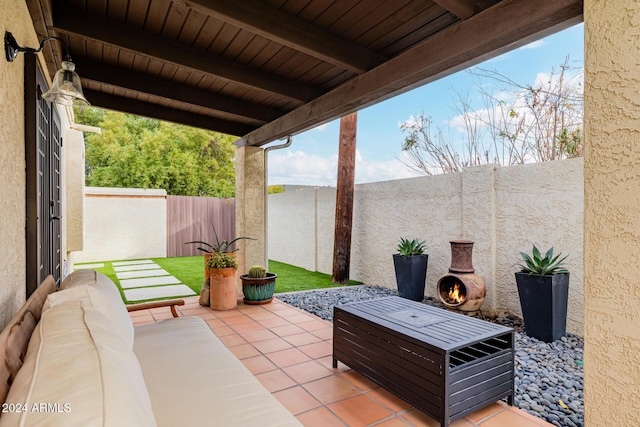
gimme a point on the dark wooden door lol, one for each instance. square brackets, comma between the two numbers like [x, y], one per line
[43, 149]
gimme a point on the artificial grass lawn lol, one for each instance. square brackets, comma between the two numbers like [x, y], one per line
[190, 271]
[292, 278]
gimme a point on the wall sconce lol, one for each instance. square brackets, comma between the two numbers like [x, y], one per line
[66, 88]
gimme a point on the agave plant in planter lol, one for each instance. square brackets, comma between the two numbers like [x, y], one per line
[411, 268]
[258, 285]
[543, 288]
[217, 246]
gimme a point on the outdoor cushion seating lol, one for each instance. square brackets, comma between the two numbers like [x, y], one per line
[85, 364]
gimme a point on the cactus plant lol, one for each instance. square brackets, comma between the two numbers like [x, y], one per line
[257, 272]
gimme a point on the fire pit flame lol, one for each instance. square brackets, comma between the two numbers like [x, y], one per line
[455, 297]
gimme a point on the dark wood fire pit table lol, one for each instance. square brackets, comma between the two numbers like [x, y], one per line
[445, 364]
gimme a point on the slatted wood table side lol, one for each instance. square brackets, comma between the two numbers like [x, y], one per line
[446, 364]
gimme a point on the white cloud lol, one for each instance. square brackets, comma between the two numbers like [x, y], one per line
[300, 168]
[534, 45]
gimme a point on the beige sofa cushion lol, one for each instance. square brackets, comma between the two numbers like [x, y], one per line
[183, 357]
[82, 370]
[98, 291]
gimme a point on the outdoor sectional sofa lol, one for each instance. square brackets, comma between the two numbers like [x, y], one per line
[72, 357]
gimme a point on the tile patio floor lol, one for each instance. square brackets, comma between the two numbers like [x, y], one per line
[289, 351]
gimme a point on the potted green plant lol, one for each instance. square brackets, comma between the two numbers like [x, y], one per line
[543, 288]
[258, 285]
[222, 290]
[218, 246]
[411, 268]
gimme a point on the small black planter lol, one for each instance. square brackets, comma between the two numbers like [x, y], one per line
[411, 275]
[543, 300]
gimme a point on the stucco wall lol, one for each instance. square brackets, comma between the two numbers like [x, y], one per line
[14, 17]
[124, 223]
[612, 212]
[498, 208]
[75, 178]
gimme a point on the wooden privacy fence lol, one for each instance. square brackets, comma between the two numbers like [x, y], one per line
[190, 218]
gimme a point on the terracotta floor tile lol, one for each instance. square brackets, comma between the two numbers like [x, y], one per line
[244, 351]
[276, 380]
[232, 340]
[331, 389]
[483, 413]
[325, 334]
[162, 316]
[143, 319]
[314, 325]
[224, 314]
[298, 318]
[529, 417]
[328, 362]
[258, 364]
[358, 380]
[273, 323]
[263, 315]
[420, 419]
[463, 423]
[307, 371]
[260, 335]
[252, 325]
[302, 339]
[389, 400]
[236, 320]
[223, 331]
[318, 349]
[287, 311]
[359, 411]
[216, 323]
[296, 400]
[288, 357]
[394, 422]
[284, 331]
[508, 419]
[139, 313]
[271, 345]
[320, 417]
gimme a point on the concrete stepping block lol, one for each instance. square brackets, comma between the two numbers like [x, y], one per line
[88, 266]
[158, 292]
[142, 273]
[141, 261]
[137, 267]
[148, 281]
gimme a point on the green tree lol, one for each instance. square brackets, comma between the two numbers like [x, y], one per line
[139, 152]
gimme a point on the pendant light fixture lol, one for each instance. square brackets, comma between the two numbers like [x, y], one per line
[66, 88]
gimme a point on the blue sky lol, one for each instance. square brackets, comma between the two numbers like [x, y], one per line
[312, 157]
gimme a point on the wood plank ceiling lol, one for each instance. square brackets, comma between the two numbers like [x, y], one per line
[265, 69]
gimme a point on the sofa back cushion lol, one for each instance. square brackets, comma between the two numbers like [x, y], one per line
[78, 372]
[98, 291]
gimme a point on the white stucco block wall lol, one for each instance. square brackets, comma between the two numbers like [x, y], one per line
[540, 204]
[425, 208]
[124, 224]
[504, 210]
[292, 226]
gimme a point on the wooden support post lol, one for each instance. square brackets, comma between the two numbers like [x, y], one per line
[344, 199]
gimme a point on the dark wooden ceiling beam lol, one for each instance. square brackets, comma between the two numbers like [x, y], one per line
[506, 25]
[271, 23]
[155, 111]
[69, 20]
[464, 9]
[127, 79]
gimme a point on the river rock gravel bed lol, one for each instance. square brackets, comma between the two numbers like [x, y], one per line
[549, 378]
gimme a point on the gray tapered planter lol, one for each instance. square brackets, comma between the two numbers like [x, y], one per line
[543, 300]
[411, 275]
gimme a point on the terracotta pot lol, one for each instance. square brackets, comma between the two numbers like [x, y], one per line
[222, 295]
